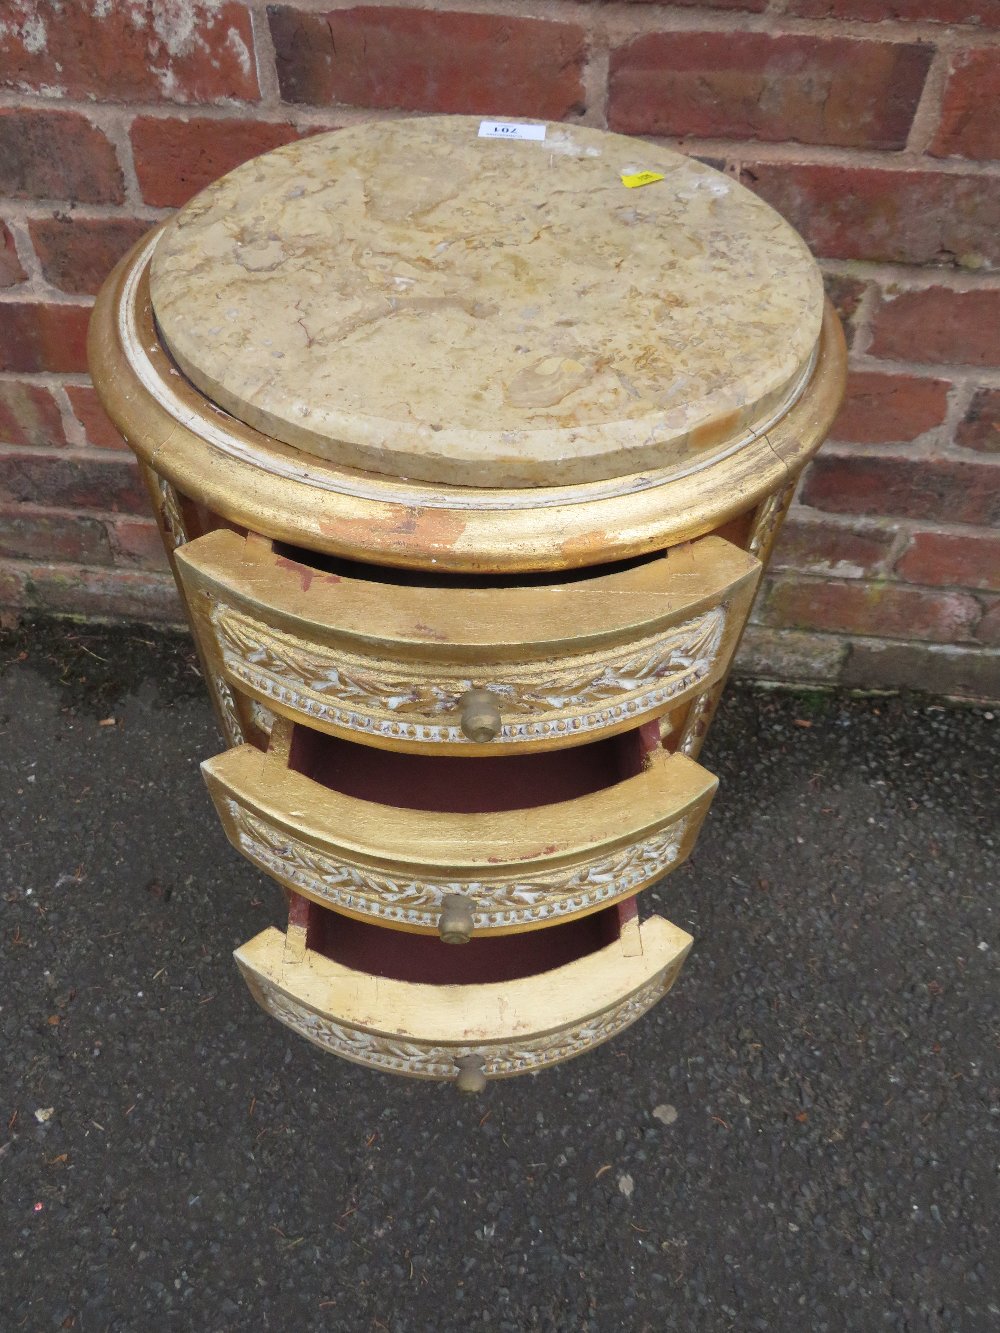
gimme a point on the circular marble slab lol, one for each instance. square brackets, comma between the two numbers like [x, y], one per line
[408, 298]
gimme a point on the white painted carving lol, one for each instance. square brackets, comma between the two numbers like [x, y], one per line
[263, 718]
[530, 897]
[425, 1060]
[574, 697]
[231, 725]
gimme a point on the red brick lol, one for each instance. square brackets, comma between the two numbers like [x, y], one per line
[57, 155]
[905, 217]
[890, 611]
[889, 409]
[41, 336]
[816, 547]
[980, 428]
[11, 272]
[91, 415]
[985, 13]
[182, 51]
[77, 254]
[29, 415]
[845, 295]
[418, 60]
[953, 560]
[62, 481]
[94, 593]
[174, 159]
[969, 125]
[137, 542]
[748, 85]
[939, 326]
[29, 534]
[935, 489]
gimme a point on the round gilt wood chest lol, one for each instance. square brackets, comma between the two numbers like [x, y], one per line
[468, 447]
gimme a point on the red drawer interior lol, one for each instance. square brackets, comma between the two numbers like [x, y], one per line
[469, 784]
[425, 958]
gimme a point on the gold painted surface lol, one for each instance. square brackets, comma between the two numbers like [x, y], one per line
[405, 297]
[513, 1027]
[391, 665]
[518, 869]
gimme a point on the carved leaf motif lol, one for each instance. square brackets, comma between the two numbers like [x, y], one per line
[434, 1061]
[505, 902]
[227, 707]
[322, 680]
[170, 511]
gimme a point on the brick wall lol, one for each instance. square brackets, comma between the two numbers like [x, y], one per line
[872, 125]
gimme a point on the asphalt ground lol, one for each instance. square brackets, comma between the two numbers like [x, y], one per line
[801, 1137]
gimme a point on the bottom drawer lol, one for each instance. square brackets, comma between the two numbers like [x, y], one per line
[332, 980]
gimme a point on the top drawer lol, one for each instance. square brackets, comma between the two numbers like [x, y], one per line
[418, 666]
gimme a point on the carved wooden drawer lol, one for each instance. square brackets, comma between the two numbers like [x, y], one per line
[370, 1005]
[472, 856]
[390, 658]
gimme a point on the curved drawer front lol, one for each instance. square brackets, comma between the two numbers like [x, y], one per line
[513, 870]
[392, 664]
[426, 1031]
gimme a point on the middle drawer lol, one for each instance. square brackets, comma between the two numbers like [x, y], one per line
[462, 840]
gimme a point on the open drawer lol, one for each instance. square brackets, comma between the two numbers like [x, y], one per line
[460, 846]
[374, 1005]
[398, 660]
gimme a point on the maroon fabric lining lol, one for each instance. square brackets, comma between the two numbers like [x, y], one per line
[466, 785]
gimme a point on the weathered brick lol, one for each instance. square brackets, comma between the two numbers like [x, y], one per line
[988, 629]
[984, 13]
[181, 51]
[904, 216]
[137, 542]
[77, 254]
[980, 428]
[845, 294]
[43, 336]
[789, 655]
[94, 593]
[748, 85]
[418, 60]
[939, 326]
[30, 534]
[969, 124]
[29, 415]
[174, 159]
[13, 578]
[813, 546]
[72, 481]
[887, 610]
[952, 560]
[965, 673]
[92, 417]
[57, 155]
[748, 6]
[934, 489]
[889, 409]
[11, 272]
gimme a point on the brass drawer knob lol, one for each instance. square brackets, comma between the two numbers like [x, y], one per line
[471, 1076]
[455, 924]
[481, 720]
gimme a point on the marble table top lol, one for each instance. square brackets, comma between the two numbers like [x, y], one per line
[412, 299]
